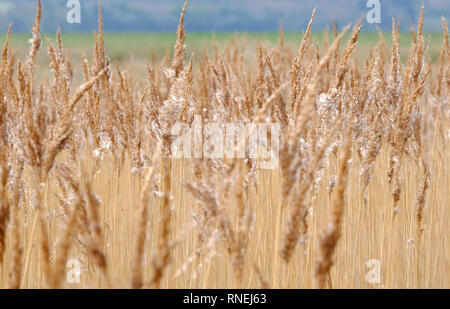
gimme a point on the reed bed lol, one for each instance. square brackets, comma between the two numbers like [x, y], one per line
[359, 198]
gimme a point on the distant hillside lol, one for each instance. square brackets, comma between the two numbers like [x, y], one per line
[217, 15]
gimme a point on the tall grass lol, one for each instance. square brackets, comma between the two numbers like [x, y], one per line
[87, 172]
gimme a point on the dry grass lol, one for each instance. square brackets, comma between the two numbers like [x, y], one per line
[87, 172]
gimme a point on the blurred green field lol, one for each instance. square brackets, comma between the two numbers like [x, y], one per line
[135, 48]
[122, 45]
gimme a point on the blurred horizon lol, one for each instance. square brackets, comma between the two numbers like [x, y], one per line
[218, 15]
